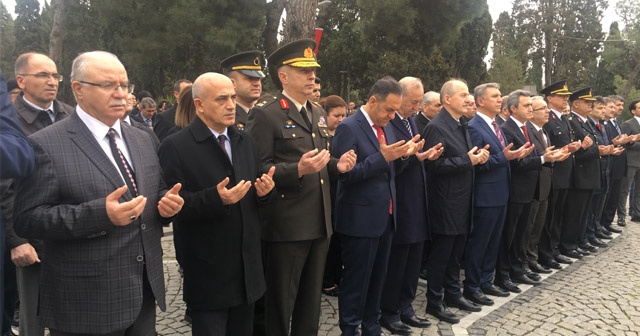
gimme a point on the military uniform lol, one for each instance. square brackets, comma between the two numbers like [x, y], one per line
[249, 63]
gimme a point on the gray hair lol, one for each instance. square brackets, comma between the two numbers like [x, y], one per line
[147, 102]
[429, 97]
[79, 65]
[449, 88]
[23, 60]
[534, 98]
[514, 98]
[481, 90]
[410, 83]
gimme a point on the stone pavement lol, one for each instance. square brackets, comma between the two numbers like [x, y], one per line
[598, 295]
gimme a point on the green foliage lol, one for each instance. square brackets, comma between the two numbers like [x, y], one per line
[634, 94]
[7, 42]
[507, 70]
[31, 33]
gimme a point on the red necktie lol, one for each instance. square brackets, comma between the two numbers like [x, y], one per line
[383, 139]
[526, 133]
[498, 133]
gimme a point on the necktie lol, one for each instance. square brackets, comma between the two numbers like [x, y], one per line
[408, 126]
[599, 127]
[526, 133]
[122, 164]
[615, 123]
[305, 117]
[49, 119]
[498, 133]
[544, 140]
[381, 138]
[222, 139]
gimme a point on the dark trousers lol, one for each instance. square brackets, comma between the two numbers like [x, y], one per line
[443, 268]
[228, 321]
[594, 214]
[515, 224]
[535, 228]
[294, 282]
[550, 239]
[482, 247]
[145, 323]
[10, 292]
[365, 267]
[611, 203]
[401, 282]
[576, 204]
[333, 265]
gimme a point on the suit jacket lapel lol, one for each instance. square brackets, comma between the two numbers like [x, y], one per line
[135, 152]
[515, 129]
[366, 128]
[86, 142]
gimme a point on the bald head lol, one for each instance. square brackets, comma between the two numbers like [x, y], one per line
[214, 96]
[453, 96]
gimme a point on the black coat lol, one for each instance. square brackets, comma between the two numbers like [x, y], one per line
[587, 167]
[524, 172]
[543, 188]
[561, 134]
[221, 257]
[164, 122]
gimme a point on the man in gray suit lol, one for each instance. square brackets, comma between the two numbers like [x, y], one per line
[631, 127]
[96, 200]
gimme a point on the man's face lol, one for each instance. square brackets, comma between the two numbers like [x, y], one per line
[524, 110]
[316, 92]
[598, 110]
[335, 117]
[217, 108]
[106, 105]
[383, 111]
[248, 89]
[540, 112]
[37, 82]
[352, 106]
[131, 99]
[581, 107]
[471, 106]
[636, 111]
[456, 103]
[491, 103]
[610, 111]
[619, 107]
[148, 111]
[411, 101]
[558, 102]
[298, 81]
[182, 86]
[432, 108]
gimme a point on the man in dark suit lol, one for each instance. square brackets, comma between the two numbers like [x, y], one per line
[223, 274]
[365, 204]
[16, 155]
[540, 202]
[147, 115]
[96, 199]
[292, 134]
[631, 127]
[449, 178]
[560, 134]
[37, 108]
[245, 70]
[166, 120]
[430, 106]
[412, 228]
[618, 166]
[586, 176]
[491, 193]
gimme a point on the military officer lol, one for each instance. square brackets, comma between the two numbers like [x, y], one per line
[245, 70]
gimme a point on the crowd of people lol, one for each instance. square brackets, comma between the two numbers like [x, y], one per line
[277, 199]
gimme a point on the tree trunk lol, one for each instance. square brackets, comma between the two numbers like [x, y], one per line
[270, 34]
[301, 19]
[57, 30]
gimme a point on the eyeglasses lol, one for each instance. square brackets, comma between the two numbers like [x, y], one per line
[543, 108]
[109, 86]
[45, 76]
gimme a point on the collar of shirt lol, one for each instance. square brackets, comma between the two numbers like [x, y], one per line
[38, 108]
[558, 114]
[400, 116]
[516, 121]
[595, 122]
[637, 119]
[246, 109]
[295, 102]
[486, 119]
[366, 115]
[127, 119]
[216, 134]
[534, 126]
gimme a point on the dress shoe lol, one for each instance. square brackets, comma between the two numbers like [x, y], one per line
[396, 328]
[588, 247]
[583, 251]
[508, 285]
[597, 242]
[478, 297]
[495, 291]
[635, 219]
[612, 229]
[332, 291]
[523, 279]
[443, 314]
[532, 275]
[415, 322]
[423, 274]
[551, 264]
[562, 259]
[536, 267]
[462, 303]
[572, 254]
[606, 232]
[622, 223]
[601, 235]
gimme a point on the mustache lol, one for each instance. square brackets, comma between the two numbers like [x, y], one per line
[117, 102]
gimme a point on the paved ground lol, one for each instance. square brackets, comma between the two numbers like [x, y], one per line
[598, 295]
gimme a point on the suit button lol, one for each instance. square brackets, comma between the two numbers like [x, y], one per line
[282, 195]
[143, 226]
[321, 181]
[313, 135]
[293, 135]
[139, 258]
[103, 233]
